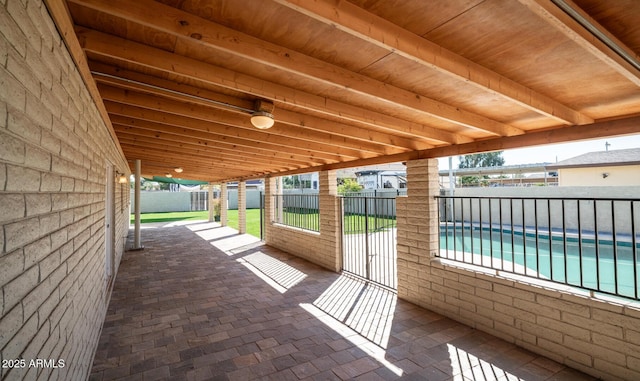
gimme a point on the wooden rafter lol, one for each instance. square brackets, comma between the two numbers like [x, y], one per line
[230, 41]
[213, 151]
[114, 47]
[312, 139]
[296, 120]
[576, 32]
[366, 119]
[223, 134]
[359, 82]
[374, 29]
[215, 143]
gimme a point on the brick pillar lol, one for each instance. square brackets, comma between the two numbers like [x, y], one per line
[278, 190]
[417, 222]
[210, 201]
[223, 204]
[242, 207]
[330, 232]
[270, 184]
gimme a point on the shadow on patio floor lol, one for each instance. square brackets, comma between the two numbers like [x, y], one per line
[202, 302]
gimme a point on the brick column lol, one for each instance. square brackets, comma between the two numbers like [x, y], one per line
[330, 232]
[269, 211]
[242, 207]
[223, 204]
[210, 200]
[279, 189]
[417, 222]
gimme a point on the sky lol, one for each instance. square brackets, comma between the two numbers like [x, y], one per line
[556, 152]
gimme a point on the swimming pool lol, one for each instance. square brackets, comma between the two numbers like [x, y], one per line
[604, 265]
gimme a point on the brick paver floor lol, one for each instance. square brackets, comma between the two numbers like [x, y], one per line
[202, 302]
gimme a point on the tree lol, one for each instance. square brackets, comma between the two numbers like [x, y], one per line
[348, 186]
[489, 159]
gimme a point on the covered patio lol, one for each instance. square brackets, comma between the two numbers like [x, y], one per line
[225, 91]
[204, 302]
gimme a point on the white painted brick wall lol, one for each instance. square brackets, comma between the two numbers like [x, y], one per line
[52, 277]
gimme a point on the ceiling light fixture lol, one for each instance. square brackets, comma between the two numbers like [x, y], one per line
[178, 170]
[169, 175]
[262, 117]
[262, 120]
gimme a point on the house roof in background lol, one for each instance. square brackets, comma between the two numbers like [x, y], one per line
[629, 156]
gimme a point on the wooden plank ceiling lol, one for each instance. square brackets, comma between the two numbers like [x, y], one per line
[351, 82]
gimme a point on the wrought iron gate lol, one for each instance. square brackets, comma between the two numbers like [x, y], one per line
[369, 239]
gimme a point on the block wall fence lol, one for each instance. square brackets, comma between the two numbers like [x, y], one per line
[54, 154]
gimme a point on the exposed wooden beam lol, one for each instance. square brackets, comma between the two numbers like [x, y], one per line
[368, 119]
[280, 132]
[214, 151]
[563, 22]
[133, 117]
[357, 22]
[294, 119]
[178, 154]
[156, 59]
[235, 135]
[152, 119]
[151, 167]
[151, 129]
[173, 160]
[344, 81]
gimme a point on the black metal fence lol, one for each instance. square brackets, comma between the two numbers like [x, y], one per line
[369, 239]
[297, 210]
[592, 243]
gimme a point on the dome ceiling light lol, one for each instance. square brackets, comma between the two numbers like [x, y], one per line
[262, 117]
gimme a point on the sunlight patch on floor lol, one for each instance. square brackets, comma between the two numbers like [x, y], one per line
[274, 272]
[466, 366]
[368, 347]
[215, 234]
[366, 308]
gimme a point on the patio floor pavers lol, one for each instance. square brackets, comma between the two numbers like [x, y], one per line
[202, 302]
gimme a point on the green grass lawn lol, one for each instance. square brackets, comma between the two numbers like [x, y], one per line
[353, 223]
[253, 221]
[253, 218]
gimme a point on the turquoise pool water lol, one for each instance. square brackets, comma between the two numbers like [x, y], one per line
[608, 266]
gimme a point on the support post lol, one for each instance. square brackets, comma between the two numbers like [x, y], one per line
[417, 224]
[242, 207]
[223, 204]
[136, 237]
[279, 190]
[330, 229]
[210, 197]
[270, 190]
